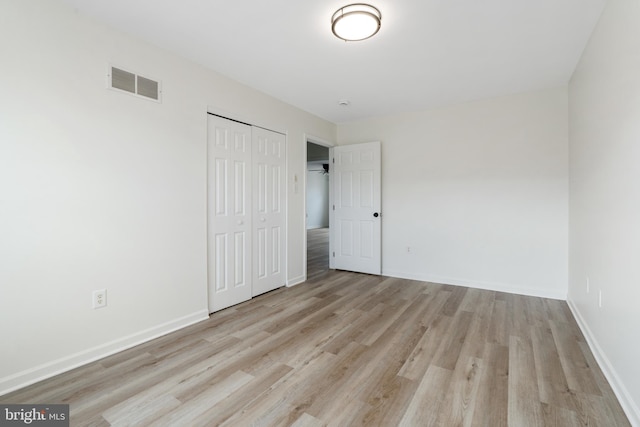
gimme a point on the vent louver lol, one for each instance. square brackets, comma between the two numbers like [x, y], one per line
[132, 83]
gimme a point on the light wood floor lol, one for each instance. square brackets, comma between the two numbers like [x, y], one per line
[317, 252]
[351, 349]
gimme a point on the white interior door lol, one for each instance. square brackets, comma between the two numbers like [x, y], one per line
[229, 212]
[356, 225]
[269, 210]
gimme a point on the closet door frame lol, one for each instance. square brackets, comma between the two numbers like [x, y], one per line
[261, 263]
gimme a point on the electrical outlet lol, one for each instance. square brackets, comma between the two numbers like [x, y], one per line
[588, 287]
[99, 298]
[408, 249]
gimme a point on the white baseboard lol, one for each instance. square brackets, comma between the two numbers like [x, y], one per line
[67, 363]
[624, 397]
[296, 281]
[490, 286]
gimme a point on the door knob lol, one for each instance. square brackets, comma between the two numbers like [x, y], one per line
[376, 214]
[262, 219]
[240, 222]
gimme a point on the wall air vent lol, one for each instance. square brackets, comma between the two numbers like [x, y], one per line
[134, 84]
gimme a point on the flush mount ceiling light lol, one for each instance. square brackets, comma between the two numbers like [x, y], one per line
[357, 21]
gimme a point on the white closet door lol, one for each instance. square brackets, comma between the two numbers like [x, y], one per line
[229, 212]
[269, 210]
[356, 237]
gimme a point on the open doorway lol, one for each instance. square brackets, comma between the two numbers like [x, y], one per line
[317, 213]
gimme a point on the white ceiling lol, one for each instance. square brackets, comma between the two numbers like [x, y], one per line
[428, 53]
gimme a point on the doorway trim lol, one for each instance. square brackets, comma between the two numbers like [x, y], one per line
[323, 142]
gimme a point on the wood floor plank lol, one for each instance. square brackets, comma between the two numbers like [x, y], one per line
[451, 346]
[390, 401]
[200, 376]
[577, 371]
[391, 350]
[425, 405]
[498, 329]
[317, 252]
[100, 395]
[552, 383]
[524, 406]
[459, 402]
[491, 407]
[328, 391]
[348, 413]
[518, 319]
[437, 324]
[242, 397]
[378, 325]
[458, 294]
[537, 312]
[353, 330]
[278, 404]
[295, 317]
[471, 300]
[253, 324]
[477, 335]
[608, 407]
[139, 409]
[186, 413]
[307, 420]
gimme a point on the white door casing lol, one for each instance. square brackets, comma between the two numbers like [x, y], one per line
[229, 217]
[356, 225]
[269, 210]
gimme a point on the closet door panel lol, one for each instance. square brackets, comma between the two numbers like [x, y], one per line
[269, 190]
[229, 214]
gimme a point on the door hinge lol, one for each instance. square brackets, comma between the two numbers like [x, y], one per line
[333, 160]
[334, 207]
[334, 254]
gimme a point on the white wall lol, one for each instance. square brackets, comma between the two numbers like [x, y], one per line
[478, 192]
[317, 196]
[604, 125]
[100, 189]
